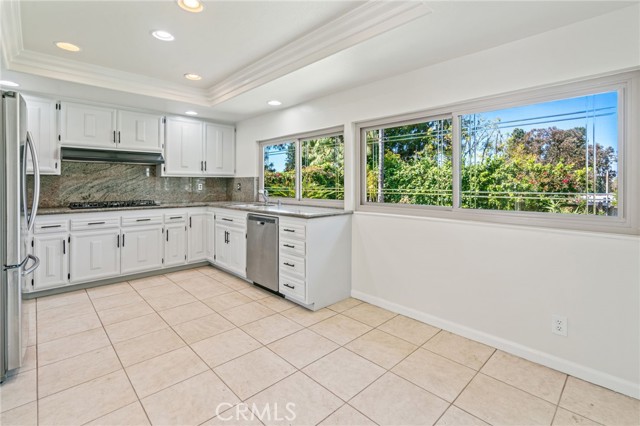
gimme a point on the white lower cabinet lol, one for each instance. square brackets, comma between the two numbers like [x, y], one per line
[53, 252]
[141, 249]
[95, 255]
[175, 244]
[197, 237]
[231, 248]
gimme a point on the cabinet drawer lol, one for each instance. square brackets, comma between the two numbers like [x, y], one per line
[95, 223]
[231, 219]
[293, 287]
[141, 220]
[292, 247]
[288, 230]
[48, 227]
[292, 265]
[175, 218]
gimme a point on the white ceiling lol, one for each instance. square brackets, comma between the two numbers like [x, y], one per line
[251, 51]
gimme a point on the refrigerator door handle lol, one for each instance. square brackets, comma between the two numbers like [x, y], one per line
[36, 184]
[36, 263]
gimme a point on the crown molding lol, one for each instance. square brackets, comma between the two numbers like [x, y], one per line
[356, 26]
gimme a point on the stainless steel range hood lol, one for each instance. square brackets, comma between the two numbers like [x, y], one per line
[102, 156]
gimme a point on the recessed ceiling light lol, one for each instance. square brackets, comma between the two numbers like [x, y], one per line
[191, 113]
[67, 46]
[191, 76]
[274, 102]
[8, 83]
[194, 6]
[163, 35]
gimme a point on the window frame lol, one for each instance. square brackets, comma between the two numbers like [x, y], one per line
[626, 222]
[297, 139]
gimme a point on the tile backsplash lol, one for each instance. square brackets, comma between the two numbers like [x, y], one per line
[114, 181]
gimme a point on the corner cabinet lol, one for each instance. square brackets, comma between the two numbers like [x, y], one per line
[198, 149]
[91, 126]
[42, 124]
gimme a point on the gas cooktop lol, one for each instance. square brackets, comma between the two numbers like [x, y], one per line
[111, 204]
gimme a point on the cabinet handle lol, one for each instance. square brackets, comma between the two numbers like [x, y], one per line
[290, 286]
[50, 226]
[175, 217]
[226, 237]
[118, 136]
[289, 230]
[189, 222]
[96, 223]
[143, 220]
[228, 220]
[205, 166]
[202, 166]
[290, 264]
[122, 240]
[64, 246]
[118, 241]
[167, 235]
[114, 136]
[289, 246]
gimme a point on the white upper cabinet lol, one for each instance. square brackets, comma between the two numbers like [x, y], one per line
[183, 148]
[220, 158]
[87, 126]
[194, 148]
[90, 126]
[138, 131]
[42, 124]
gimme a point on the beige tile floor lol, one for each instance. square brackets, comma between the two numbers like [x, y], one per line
[179, 349]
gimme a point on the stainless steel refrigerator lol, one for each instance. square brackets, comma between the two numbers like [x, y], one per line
[16, 222]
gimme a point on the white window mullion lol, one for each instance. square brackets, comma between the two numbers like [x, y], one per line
[455, 161]
[298, 170]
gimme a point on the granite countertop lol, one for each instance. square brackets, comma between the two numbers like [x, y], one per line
[291, 210]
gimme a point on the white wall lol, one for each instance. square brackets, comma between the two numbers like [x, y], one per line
[495, 283]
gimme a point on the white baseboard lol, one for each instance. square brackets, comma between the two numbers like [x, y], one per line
[569, 367]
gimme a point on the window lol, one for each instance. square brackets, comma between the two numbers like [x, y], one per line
[552, 158]
[305, 167]
[410, 164]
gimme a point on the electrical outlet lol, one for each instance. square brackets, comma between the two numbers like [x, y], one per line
[238, 186]
[559, 325]
[199, 187]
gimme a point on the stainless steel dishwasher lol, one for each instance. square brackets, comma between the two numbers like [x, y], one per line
[262, 251]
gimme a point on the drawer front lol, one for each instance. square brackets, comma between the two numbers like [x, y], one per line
[288, 230]
[293, 287]
[224, 218]
[95, 223]
[292, 265]
[292, 247]
[142, 220]
[49, 227]
[175, 218]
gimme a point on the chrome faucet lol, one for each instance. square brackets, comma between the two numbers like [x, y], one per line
[265, 195]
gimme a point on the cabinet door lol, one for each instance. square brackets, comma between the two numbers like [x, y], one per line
[221, 246]
[211, 247]
[53, 252]
[95, 255]
[42, 123]
[87, 126]
[141, 249]
[175, 245]
[183, 148]
[197, 237]
[231, 246]
[219, 150]
[139, 132]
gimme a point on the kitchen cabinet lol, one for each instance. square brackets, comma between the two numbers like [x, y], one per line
[141, 249]
[42, 124]
[197, 237]
[315, 260]
[231, 242]
[53, 252]
[219, 150]
[211, 236]
[95, 255]
[175, 244]
[91, 126]
[195, 148]
[183, 148]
